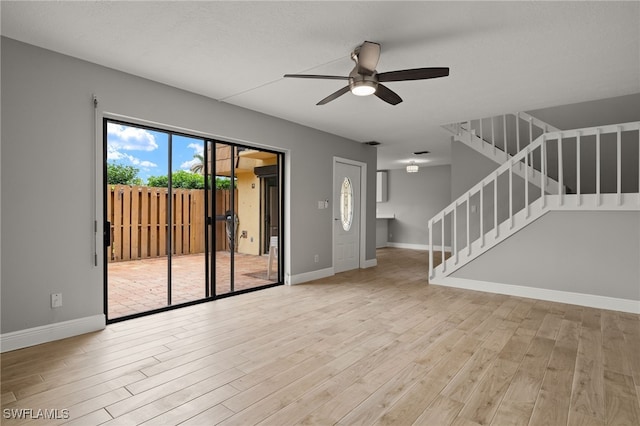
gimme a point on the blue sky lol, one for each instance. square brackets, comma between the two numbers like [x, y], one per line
[147, 150]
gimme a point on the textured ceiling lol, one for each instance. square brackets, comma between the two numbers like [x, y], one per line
[503, 56]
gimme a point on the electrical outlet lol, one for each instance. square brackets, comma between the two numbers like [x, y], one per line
[316, 258]
[56, 300]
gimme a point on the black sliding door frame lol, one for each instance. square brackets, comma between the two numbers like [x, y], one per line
[209, 227]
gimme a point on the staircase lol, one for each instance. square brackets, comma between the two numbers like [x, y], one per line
[500, 138]
[580, 169]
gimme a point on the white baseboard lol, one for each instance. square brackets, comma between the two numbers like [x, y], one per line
[370, 263]
[50, 332]
[590, 300]
[409, 246]
[322, 273]
[424, 247]
[309, 276]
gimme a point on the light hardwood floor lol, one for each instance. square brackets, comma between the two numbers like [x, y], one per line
[375, 346]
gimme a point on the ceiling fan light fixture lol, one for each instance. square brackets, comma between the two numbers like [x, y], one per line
[363, 88]
[364, 80]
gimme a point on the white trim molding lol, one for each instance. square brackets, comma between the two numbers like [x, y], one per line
[322, 273]
[370, 263]
[424, 247]
[411, 246]
[50, 332]
[309, 276]
[581, 299]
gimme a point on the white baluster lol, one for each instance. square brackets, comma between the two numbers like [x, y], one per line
[543, 169]
[493, 137]
[619, 168]
[531, 141]
[560, 171]
[530, 129]
[444, 264]
[546, 166]
[481, 133]
[504, 142]
[598, 167]
[455, 233]
[517, 132]
[511, 192]
[468, 223]
[578, 174]
[495, 205]
[482, 215]
[430, 224]
[526, 181]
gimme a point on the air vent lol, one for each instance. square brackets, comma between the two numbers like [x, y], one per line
[421, 152]
[372, 143]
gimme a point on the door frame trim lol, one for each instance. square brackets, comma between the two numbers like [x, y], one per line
[363, 209]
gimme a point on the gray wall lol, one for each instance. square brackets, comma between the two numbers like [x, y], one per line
[468, 167]
[621, 109]
[600, 112]
[47, 175]
[583, 252]
[415, 198]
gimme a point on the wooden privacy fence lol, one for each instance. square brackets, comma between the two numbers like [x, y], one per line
[139, 221]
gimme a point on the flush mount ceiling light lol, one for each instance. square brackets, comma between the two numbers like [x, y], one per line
[412, 168]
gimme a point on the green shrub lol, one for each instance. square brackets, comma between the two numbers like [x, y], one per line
[118, 174]
[186, 180]
[179, 179]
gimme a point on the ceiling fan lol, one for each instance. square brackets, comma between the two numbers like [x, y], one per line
[364, 80]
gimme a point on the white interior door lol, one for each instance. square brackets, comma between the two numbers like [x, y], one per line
[346, 214]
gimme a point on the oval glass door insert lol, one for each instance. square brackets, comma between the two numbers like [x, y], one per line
[346, 204]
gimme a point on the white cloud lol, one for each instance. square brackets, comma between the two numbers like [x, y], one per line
[124, 138]
[145, 164]
[198, 149]
[113, 154]
[187, 164]
[130, 138]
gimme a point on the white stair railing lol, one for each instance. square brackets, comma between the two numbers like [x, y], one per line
[505, 134]
[499, 205]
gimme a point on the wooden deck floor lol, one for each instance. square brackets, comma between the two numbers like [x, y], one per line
[375, 346]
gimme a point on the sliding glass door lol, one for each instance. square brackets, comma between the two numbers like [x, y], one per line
[248, 215]
[186, 219]
[189, 191]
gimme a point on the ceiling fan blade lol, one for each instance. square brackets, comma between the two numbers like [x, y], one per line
[368, 56]
[388, 95]
[334, 95]
[413, 74]
[323, 77]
